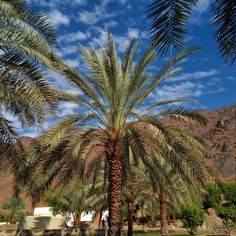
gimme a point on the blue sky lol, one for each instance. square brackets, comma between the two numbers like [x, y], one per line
[205, 78]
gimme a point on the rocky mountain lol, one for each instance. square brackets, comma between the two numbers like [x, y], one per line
[219, 138]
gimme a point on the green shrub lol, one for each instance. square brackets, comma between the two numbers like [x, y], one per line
[212, 197]
[192, 217]
[228, 216]
[229, 191]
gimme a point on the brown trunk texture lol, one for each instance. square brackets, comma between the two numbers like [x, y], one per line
[174, 219]
[130, 216]
[163, 211]
[114, 193]
[76, 217]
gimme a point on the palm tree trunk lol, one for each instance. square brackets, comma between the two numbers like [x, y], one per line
[129, 201]
[100, 218]
[76, 217]
[163, 211]
[114, 192]
[174, 219]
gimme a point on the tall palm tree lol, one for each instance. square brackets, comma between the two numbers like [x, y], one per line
[109, 127]
[170, 18]
[26, 41]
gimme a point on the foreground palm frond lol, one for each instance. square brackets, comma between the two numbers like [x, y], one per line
[224, 18]
[169, 24]
[26, 40]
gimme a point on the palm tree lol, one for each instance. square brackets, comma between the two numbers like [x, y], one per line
[12, 208]
[26, 39]
[176, 190]
[71, 198]
[109, 126]
[170, 18]
[172, 183]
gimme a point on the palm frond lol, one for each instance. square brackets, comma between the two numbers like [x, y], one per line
[165, 102]
[7, 132]
[169, 23]
[68, 124]
[224, 19]
[184, 115]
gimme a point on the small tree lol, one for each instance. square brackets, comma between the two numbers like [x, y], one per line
[152, 210]
[228, 216]
[12, 210]
[192, 217]
[72, 198]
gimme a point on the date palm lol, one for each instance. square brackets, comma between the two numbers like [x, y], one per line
[71, 198]
[26, 42]
[178, 183]
[170, 18]
[115, 120]
[174, 178]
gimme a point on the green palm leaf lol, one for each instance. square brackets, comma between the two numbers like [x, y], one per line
[169, 23]
[224, 19]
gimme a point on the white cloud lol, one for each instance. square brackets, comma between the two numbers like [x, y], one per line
[58, 18]
[89, 18]
[231, 78]
[78, 2]
[57, 80]
[217, 90]
[184, 89]
[121, 40]
[101, 38]
[123, 2]
[68, 50]
[111, 23]
[195, 75]
[133, 33]
[188, 38]
[202, 6]
[74, 36]
[122, 43]
[67, 108]
[73, 91]
[73, 62]
[99, 13]
[10, 117]
[56, 3]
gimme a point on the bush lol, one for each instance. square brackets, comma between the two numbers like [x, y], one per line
[212, 198]
[143, 220]
[192, 217]
[229, 191]
[228, 216]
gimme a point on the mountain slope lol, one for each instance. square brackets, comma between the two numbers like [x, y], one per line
[219, 137]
